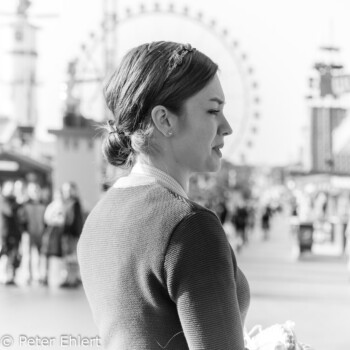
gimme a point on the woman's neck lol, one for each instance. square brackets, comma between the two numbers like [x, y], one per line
[172, 170]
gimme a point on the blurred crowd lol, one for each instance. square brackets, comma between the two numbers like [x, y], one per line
[37, 228]
[241, 217]
[34, 229]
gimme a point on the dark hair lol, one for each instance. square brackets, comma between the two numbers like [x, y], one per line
[160, 73]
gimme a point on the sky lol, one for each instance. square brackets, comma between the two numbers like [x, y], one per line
[280, 40]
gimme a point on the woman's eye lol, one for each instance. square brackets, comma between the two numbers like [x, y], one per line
[214, 111]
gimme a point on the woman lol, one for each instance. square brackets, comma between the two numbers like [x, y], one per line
[72, 229]
[32, 213]
[51, 246]
[10, 231]
[156, 267]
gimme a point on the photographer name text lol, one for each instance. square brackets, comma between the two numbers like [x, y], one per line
[64, 341]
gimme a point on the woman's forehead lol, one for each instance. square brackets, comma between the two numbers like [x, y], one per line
[212, 92]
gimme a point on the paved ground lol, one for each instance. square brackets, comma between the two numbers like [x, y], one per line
[314, 292]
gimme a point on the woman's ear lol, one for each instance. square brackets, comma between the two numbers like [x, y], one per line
[163, 120]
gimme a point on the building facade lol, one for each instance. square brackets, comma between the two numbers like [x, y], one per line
[79, 160]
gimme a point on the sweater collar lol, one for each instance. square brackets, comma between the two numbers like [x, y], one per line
[150, 173]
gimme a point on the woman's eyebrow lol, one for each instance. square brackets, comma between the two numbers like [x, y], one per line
[218, 100]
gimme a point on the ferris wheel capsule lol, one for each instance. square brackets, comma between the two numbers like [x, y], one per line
[254, 130]
[157, 7]
[199, 15]
[171, 7]
[142, 8]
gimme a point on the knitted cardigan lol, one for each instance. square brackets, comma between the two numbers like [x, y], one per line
[159, 273]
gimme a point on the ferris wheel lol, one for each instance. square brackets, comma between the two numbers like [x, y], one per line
[102, 50]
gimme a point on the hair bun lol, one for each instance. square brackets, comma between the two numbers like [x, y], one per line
[117, 147]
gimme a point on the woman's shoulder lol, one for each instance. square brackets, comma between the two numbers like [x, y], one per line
[200, 220]
[151, 204]
[151, 201]
[177, 205]
[200, 227]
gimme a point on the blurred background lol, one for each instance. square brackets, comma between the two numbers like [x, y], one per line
[283, 193]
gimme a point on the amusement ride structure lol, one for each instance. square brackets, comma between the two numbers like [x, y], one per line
[329, 115]
[100, 52]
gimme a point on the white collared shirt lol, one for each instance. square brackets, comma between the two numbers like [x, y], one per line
[143, 174]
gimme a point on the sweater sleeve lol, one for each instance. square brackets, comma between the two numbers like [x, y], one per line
[200, 277]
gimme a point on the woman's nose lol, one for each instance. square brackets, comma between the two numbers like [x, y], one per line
[225, 128]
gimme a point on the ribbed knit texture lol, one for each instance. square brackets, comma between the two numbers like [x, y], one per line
[159, 273]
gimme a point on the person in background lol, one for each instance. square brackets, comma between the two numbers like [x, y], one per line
[71, 233]
[33, 224]
[240, 222]
[157, 268]
[265, 221]
[251, 218]
[54, 218]
[10, 232]
[221, 209]
[347, 244]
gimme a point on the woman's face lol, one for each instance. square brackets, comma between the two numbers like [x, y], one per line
[201, 130]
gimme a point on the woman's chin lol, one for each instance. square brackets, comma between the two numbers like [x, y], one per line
[214, 166]
[211, 165]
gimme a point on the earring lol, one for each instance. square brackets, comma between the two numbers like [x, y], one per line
[169, 133]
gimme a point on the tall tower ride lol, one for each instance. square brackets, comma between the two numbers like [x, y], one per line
[330, 120]
[24, 68]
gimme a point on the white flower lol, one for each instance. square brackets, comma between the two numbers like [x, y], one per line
[276, 337]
